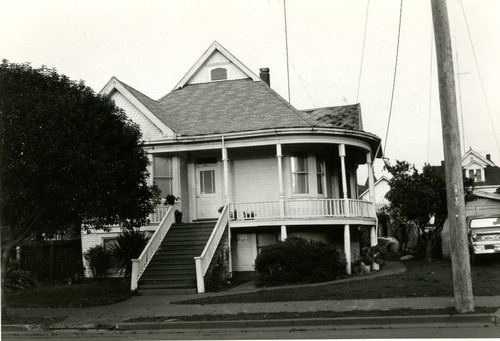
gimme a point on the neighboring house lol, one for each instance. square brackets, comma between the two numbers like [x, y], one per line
[485, 173]
[381, 187]
[249, 168]
[486, 177]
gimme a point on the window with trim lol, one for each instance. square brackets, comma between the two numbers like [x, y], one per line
[471, 174]
[320, 174]
[162, 170]
[479, 175]
[300, 174]
[218, 74]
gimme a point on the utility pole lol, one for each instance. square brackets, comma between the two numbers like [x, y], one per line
[462, 284]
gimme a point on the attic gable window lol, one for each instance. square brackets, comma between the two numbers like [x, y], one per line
[218, 74]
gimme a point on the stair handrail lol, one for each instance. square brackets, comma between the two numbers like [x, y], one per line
[140, 264]
[202, 262]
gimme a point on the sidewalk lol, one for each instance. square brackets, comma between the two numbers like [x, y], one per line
[164, 306]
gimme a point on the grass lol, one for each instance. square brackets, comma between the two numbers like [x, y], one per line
[419, 280]
[309, 315]
[88, 293]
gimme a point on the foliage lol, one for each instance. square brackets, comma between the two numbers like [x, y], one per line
[99, 261]
[297, 260]
[128, 245]
[170, 199]
[87, 293]
[418, 197]
[68, 157]
[19, 279]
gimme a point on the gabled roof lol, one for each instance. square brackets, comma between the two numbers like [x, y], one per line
[366, 186]
[477, 158]
[215, 47]
[142, 102]
[241, 104]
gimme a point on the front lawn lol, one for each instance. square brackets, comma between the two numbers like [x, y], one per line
[419, 280]
[85, 294]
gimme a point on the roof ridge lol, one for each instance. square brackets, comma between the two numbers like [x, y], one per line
[332, 106]
[275, 94]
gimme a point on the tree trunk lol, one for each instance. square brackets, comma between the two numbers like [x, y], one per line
[6, 249]
[428, 250]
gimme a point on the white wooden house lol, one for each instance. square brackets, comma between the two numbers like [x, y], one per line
[247, 166]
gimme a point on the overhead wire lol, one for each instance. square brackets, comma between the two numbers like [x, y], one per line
[480, 77]
[394, 78]
[301, 81]
[363, 50]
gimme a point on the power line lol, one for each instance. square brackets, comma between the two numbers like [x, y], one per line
[303, 85]
[363, 50]
[394, 78]
[286, 43]
[480, 77]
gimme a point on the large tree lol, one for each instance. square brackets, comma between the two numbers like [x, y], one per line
[420, 196]
[68, 157]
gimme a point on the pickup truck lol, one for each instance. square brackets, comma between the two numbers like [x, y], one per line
[484, 234]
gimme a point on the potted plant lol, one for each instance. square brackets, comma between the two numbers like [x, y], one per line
[170, 199]
[178, 217]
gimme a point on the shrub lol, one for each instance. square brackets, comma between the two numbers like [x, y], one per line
[99, 261]
[128, 245]
[17, 279]
[297, 260]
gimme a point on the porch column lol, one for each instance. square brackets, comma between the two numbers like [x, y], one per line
[283, 233]
[344, 180]
[373, 236]
[150, 169]
[347, 248]
[279, 156]
[226, 173]
[371, 186]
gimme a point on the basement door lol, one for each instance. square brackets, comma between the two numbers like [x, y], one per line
[208, 191]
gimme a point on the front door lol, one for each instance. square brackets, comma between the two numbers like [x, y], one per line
[208, 190]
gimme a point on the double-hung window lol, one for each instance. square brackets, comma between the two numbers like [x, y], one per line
[162, 170]
[320, 174]
[479, 175]
[300, 174]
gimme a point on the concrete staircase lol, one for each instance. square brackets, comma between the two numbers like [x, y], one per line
[172, 269]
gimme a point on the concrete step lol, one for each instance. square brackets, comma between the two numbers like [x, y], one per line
[172, 291]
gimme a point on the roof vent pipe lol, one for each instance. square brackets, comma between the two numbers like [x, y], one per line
[264, 75]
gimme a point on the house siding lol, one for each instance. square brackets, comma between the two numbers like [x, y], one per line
[149, 129]
[254, 176]
[217, 60]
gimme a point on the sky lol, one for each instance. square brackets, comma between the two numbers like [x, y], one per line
[150, 45]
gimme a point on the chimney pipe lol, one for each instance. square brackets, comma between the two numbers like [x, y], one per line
[264, 75]
[488, 157]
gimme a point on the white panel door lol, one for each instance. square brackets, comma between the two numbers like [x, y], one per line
[208, 191]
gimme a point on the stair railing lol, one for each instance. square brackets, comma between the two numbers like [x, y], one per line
[140, 264]
[203, 262]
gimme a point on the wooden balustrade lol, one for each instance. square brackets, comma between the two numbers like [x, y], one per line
[140, 264]
[301, 208]
[203, 261]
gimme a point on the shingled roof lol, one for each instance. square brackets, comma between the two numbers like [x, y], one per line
[237, 106]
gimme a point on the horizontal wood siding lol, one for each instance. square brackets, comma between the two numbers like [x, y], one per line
[254, 177]
[149, 129]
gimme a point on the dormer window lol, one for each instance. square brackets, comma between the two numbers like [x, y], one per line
[218, 74]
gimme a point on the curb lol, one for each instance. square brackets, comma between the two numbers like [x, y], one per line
[492, 319]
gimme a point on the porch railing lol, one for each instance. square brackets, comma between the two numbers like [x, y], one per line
[203, 261]
[140, 264]
[157, 216]
[301, 208]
